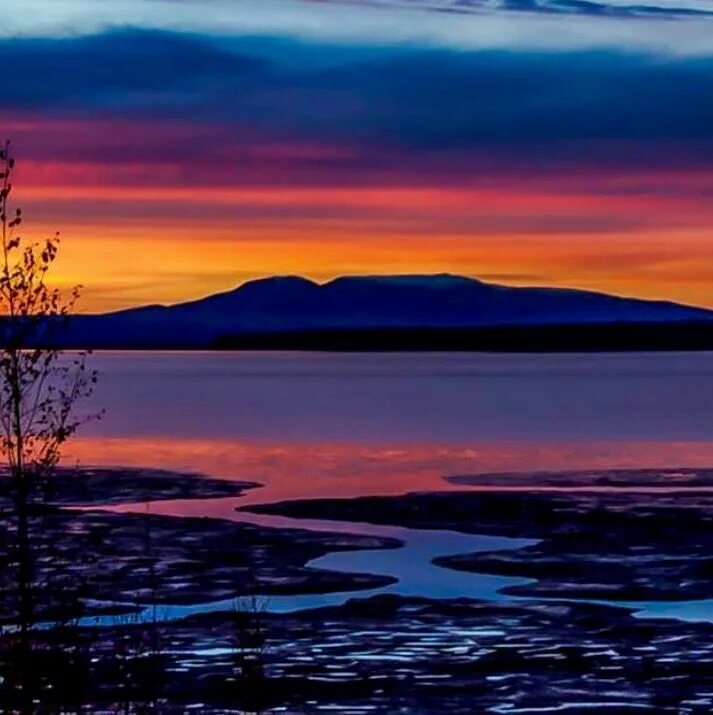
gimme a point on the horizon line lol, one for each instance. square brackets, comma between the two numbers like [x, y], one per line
[439, 274]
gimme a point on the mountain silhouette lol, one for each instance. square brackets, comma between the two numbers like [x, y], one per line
[289, 304]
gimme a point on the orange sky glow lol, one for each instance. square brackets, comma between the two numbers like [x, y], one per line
[131, 245]
[179, 164]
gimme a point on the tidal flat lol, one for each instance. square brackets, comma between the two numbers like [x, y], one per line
[564, 639]
[389, 654]
[122, 560]
[609, 535]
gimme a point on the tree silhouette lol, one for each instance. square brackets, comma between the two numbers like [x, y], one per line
[40, 389]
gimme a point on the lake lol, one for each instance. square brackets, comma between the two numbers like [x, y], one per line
[320, 424]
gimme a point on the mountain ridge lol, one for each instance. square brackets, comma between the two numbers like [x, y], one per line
[290, 304]
[406, 279]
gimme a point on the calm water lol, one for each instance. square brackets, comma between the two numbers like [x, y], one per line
[322, 424]
[310, 425]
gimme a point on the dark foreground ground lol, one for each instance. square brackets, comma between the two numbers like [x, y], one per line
[394, 655]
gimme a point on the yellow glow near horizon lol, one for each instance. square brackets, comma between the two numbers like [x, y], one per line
[134, 245]
[120, 270]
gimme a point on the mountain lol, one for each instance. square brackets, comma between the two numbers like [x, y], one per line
[292, 304]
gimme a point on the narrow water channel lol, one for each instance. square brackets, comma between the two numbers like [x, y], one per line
[411, 564]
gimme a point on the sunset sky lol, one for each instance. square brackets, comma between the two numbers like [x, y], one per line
[185, 146]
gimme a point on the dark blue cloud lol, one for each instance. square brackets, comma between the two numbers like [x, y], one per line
[118, 68]
[407, 99]
[581, 7]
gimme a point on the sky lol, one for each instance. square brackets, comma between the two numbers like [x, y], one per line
[182, 147]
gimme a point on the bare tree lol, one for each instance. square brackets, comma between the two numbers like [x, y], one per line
[39, 392]
[250, 651]
[149, 663]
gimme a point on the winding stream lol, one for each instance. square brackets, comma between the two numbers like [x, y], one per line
[411, 564]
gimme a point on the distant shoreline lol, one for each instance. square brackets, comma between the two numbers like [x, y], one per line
[400, 313]
[585, 338]
[610, 337]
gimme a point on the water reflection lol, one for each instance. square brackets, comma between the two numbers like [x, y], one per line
[312, 425]
[293, 470]
[340, 425]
